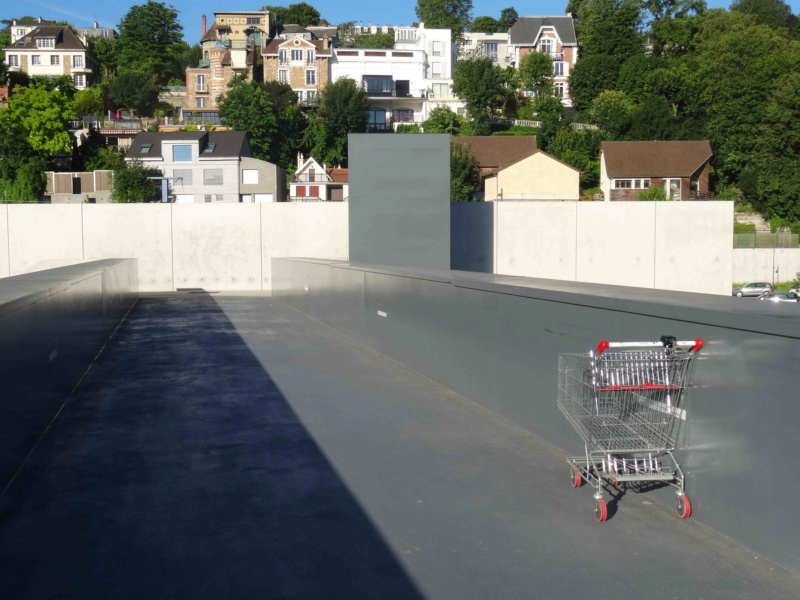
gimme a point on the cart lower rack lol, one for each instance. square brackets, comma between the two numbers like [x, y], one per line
[625, 400]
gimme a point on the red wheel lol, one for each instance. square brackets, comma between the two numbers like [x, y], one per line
[600, 510]
[576, 479]
[684, 507]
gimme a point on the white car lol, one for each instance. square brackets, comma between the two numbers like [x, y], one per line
[780, 297]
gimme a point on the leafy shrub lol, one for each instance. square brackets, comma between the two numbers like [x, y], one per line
[652, 193]
[743, 227]
[408, 128]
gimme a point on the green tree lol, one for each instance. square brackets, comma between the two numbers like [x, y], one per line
[507, 98]
[653, 193]
[135, 91]
[508, 16]
[651, 119]
[477, 82]
[105, 51]
[443, 120]
[774, 13]
[247, 106]
[42, 116]
[465, 178]
[88, 101]
[374, 40]
[150, 41]
[611, 27]
[485, 25]
[446, 14]
[22, 170]
[536, 73]
[550, 111]
[131, 184]
[590, 76]
[611, 111]
[342, 110]
[302, 14]
[579, 148]
[634, 74]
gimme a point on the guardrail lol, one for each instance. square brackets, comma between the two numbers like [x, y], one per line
[766, 240]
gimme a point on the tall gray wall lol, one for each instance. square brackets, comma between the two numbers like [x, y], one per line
[495, 339]
[52, 325]
[400, 200]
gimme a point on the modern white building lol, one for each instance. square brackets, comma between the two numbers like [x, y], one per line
[214, 166]
[403, 83]
[487, 45]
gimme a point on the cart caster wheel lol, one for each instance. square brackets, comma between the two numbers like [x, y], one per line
[576, 479]
[613, 471]
[684, 507]
[600, 510]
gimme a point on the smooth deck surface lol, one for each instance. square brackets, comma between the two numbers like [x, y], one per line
[230, 447]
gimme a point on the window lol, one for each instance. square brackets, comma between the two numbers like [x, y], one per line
[310, 57]
[146, 148]
[85, 33]
[312, 175]
[311, 77]
[77, 61]
[55, 60]
[376, 119]
[253, 21]
[201, 83]
[468, 42]
[436, 70]
[560, 90]
[299, 96]
[436, 49]
[181, 153]
[45, 42]
[311, 96]
[378, 85]
[78, 80]
[558, 69]
[637, 183]
[283, 76]
[490, 50]
[104, 33]
[36, 59]
[441, 90]
[297, 55]
[201, 102]
[645, 183]
[282, 58]
[300, 192]
[219, 197]
[622, 183]
[182, 176]
[207, 197]
[403, 115]
[209, 149]
[250, 176]
[20, 32]
[13, 60]
[212, 176]
[546, 45]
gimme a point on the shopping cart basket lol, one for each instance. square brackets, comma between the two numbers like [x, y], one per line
[626, 401]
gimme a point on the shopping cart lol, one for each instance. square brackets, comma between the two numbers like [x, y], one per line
[626, 401]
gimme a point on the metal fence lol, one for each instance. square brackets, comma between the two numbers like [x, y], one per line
[766, 240]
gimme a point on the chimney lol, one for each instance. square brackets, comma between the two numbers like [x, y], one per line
[204, 25]
[325, 42]
[40, 19]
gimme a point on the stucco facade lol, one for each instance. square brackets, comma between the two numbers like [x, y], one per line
[537, 177]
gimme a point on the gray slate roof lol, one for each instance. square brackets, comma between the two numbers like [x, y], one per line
[65, 39]
[229, 144]
[525, 30]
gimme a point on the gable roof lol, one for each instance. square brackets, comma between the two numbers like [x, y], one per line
[526, 30]
[655, 159]
[228, 144]
[319, 46]
[65, 39]
[495, 151]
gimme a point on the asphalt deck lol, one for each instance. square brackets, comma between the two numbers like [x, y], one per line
[231, 447]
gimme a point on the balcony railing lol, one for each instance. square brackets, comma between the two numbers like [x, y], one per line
[204, 63]
[555, 55]
[201, 89]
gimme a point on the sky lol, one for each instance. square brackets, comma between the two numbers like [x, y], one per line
[108, 14]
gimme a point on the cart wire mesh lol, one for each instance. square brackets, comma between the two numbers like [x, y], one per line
[625, 402]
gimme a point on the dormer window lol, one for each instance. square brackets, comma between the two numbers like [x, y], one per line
[546, 46]
[45, 42]
[209, 149]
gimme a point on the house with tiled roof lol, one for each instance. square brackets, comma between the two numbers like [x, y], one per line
[52, 51]
[231, 46]
[513, 168]
[209, 166]
[299, 60]
[554, 36]
[681, 168]
[313, 182]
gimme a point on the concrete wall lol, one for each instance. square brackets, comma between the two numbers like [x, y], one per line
[765, 264]
[216, 246]
[52, 325]
[662, 245]
[538, 177]
[496, 339]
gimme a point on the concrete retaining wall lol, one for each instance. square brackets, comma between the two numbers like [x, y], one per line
[495, 339]
[52, 325]
[216, 247]
[765, 264]
[661, 245]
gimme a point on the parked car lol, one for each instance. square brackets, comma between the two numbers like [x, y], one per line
[780, 297]
[753, 289]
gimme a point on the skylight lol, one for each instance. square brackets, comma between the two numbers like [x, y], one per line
[145, 149]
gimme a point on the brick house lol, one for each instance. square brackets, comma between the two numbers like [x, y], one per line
[300, 60]
[554, 36]
[232, 46]
[52, 51]
[680, 167]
